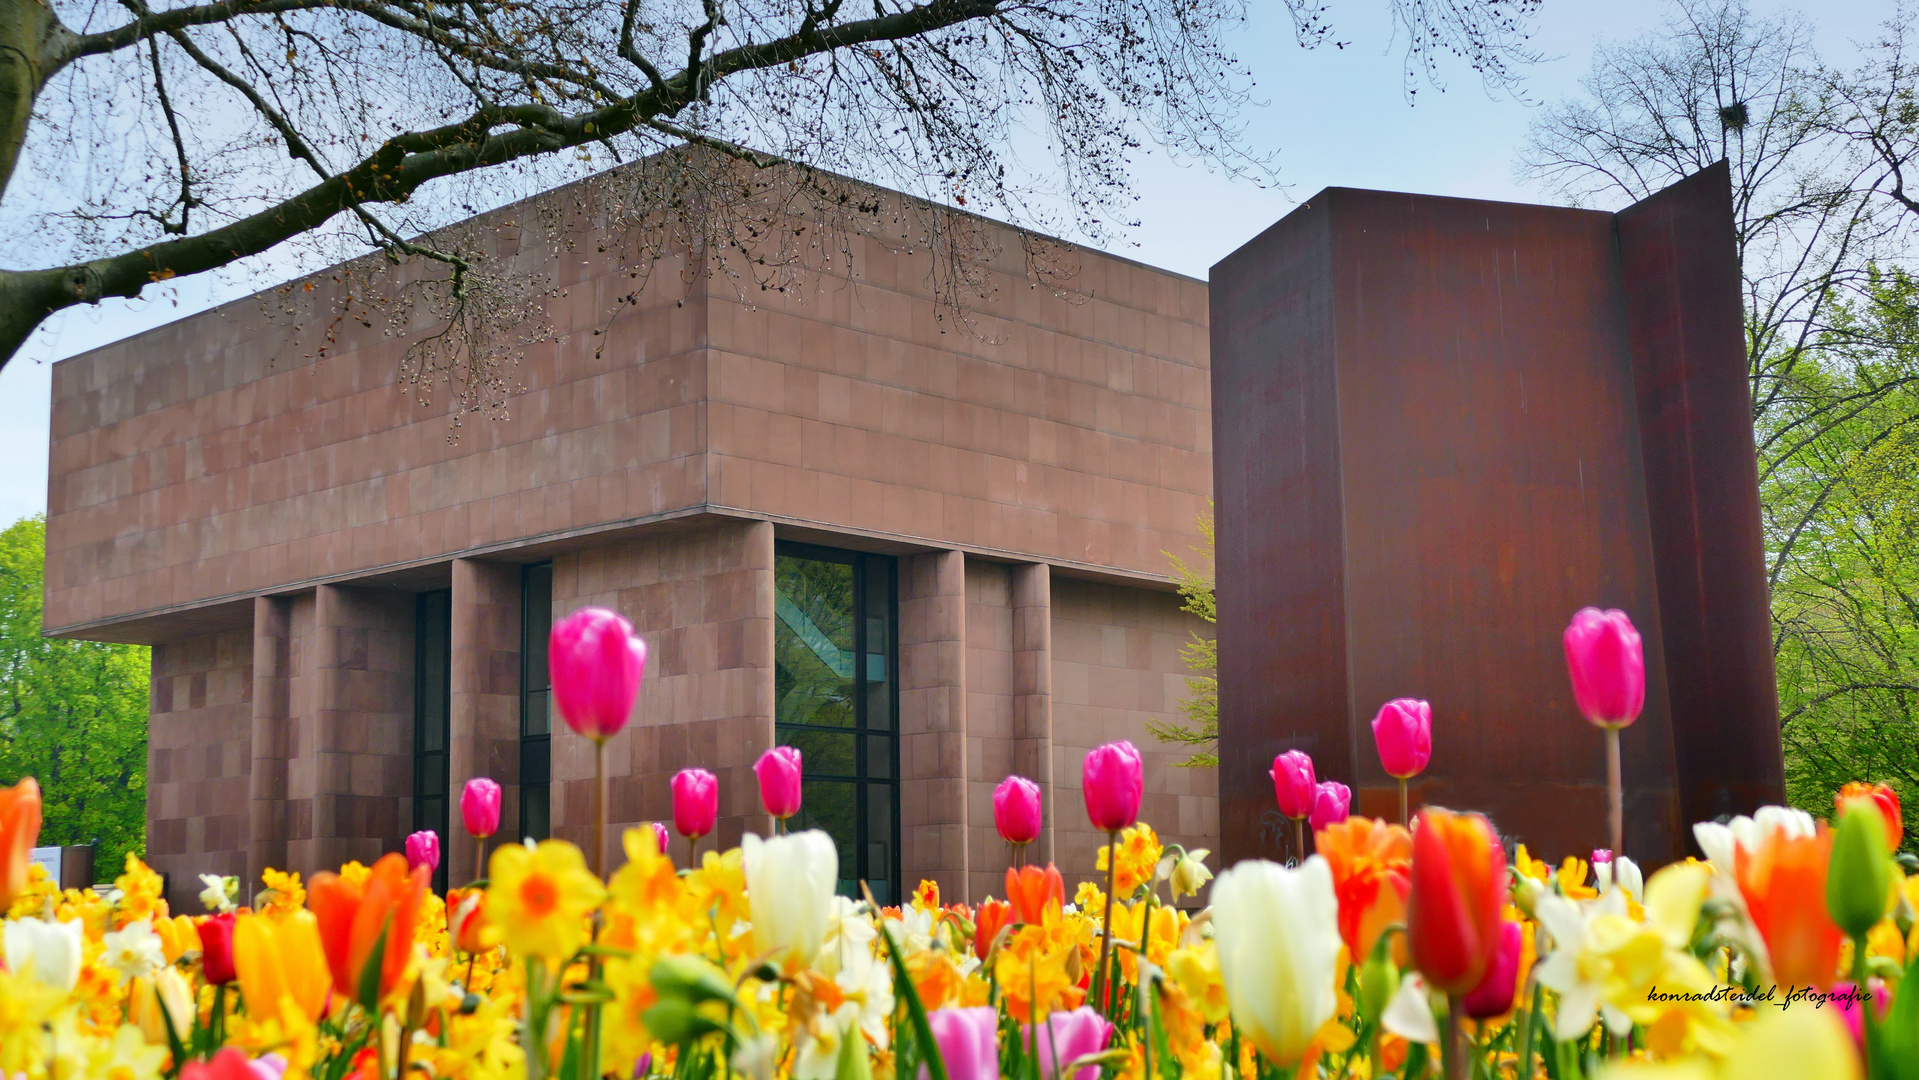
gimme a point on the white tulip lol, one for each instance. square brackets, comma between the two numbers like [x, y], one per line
[1278, 936]
[1721, 842]
[789, 890]
[134, 952]
[48, 951]
[1626, 873]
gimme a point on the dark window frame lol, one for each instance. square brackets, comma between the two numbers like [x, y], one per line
[536, 746]
[866, 780]
[433, 625]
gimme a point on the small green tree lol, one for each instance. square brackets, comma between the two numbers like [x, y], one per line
[73, 715]
[1201, 727]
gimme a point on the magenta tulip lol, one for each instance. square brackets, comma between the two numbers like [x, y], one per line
[423, 849]
[1607, 662]
[659, 836]
[968, 1040]
[1332, 804]
[596, 664]
[1293, 784]
[779, 773]
[1112, 781]
[1016, 810]
[696, 803]
[1069, 1036]
[480, 807]
[1494, 994]
[1403, 732]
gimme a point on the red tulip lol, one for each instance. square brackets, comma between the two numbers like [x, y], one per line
[19, 828]
[1881, 798]
[1112, 782]
[595, 664]
[229, 1064]
[1403, 732]
[779, 772]
[1016, 810]
[1494, 994]
[480, 807]
[1458, 893]
[696, 802]
[1607, 662]
[216, 948]
[423, 849]
[1293, 784]
[1332, 804]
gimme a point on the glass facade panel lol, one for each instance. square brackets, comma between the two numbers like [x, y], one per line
[834, 660]
[536, 749]
[432, 716]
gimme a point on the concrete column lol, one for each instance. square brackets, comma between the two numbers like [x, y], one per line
[1033, 689]
[933, 794]
[485, 699]
[270, 745]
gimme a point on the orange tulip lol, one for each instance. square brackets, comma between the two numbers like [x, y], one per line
[1784, 883]
[19, 828]
[352, 917]
[280, 959]
[1880, 797]
[992, 916]
[1033, 891]
[467, 923]
[1457, 898]
[1372, 873]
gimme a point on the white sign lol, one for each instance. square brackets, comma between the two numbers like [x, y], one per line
[49, 857]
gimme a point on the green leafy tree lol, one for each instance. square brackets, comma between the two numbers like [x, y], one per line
[73, 715]
[1200, 729]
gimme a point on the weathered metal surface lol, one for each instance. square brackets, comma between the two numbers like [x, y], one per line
[1428, 455]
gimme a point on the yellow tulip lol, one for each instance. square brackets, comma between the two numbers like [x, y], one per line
[276, 959]
[146, 996]
[177, 936]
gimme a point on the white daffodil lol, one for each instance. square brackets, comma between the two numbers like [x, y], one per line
[913, 930]
[1568, 969]
[789, 891]
[1189, 873]
[134, 952]
[869, 993]
[1409, 1014]
[219, 892]
[1277, 930]
[848, 946]
[49, 952]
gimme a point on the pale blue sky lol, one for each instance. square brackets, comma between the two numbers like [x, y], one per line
[1335, 118]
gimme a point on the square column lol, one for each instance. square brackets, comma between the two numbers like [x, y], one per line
[484, 692]
[271, 743]
[1033, 691]
[933, 796]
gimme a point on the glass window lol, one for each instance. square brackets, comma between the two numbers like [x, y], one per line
[536, 748]
[432, 717]
[834, 697]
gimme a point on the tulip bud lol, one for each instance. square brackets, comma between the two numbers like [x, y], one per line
[19, 829]
[1112, 782]
[696, 802]
[1332, 804]
[480, 807]
[779, 774]
[1861, 875]
[423, 849]
[595, 664]
[1607, 663]
[1016, 810]
[1293, 784]
[216, 948]
[1403, 733]
[1378, 982]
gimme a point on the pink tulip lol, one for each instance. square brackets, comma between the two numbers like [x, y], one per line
[1332, 804]
[1607, 662]
[1293, 784]
[696, 802]
[968, 1040]
[1403, 732]
[779, 773]
[480, 807]
[1112, 782]
[423, 849]
[596, 665]
[1847, 999]
[1494, 994]
[659, 836]
[1016, 810]
[1071, 1036]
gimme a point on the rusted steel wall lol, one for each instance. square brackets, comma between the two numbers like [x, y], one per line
[1443, 425]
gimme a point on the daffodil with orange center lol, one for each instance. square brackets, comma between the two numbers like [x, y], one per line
[1139, 852]
[1129, 930]
[1372, 863]
[283, 895]
[1038, 971]
[540, 898]
[139, 895]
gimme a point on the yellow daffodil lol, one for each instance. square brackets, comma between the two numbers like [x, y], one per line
[540, 897]
[1139, 852]
[1196, 969]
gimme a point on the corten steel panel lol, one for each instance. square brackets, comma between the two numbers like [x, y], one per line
[1695, 421]
[1428, 455]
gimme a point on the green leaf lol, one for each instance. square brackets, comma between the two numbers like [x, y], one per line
[369, 995]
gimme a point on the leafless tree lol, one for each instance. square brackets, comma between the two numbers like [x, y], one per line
[142, 140]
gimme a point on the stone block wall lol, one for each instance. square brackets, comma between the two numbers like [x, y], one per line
[201, 696]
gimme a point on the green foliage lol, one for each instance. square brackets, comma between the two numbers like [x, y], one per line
[73, 715]
[1201, 655]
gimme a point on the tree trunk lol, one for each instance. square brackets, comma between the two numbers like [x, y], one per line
[29, 36]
